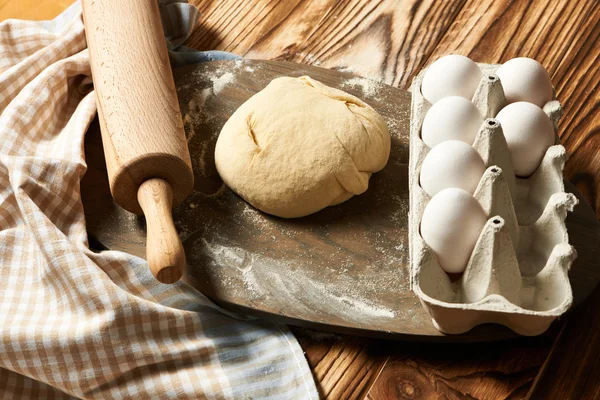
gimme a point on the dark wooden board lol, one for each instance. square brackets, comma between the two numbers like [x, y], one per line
[344, 268]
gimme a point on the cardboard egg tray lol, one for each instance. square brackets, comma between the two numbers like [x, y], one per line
[517, 275]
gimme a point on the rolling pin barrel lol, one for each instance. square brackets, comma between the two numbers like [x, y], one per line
[141, 124]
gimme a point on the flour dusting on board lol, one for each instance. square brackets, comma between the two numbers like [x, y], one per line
[360, 70]
[369, 87]
[254, 215]
[237, 258]
[219, 78]
[195, 114]
[293, 287]
[367, 308]
[222, 81]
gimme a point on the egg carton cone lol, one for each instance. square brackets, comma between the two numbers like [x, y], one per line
[517, 274]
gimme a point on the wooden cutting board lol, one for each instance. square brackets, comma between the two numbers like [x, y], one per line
[345, 268]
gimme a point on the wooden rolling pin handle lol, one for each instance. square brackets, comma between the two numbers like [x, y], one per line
[164, 251]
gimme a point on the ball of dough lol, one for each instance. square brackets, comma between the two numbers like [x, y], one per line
[299, 146]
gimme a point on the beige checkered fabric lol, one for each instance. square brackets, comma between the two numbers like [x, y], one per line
[74, 323]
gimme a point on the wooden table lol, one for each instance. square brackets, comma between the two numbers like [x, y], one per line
[391, 41]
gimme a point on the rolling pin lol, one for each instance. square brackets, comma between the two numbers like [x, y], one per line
[147, 156]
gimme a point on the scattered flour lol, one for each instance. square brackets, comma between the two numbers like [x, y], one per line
[222, 81]
[369, 87]
[202, 98]
[294, 288]
[251, 282]
[195, 114]
[226, 255]
[234, 257]
[254, 215]
[366, 308]
[360, 70]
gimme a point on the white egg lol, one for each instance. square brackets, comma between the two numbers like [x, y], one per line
[451, 75]
[451, 224]
[529, 132]
[452, 118]
[451, 164]
[525, 79]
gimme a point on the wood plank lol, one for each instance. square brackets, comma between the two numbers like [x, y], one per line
[344, 367]
[267, 29]
[476, 371]
[384, 40]
[575, 355]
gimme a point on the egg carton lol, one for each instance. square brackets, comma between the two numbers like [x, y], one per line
[517, 274]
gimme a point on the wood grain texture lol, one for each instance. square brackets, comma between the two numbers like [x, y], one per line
[385, 40]
[345, 367]
[477, 371]
[393, 40]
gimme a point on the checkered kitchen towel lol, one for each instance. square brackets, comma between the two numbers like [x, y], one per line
[74, 323]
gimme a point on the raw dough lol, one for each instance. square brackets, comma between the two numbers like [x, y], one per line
[299, 146]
